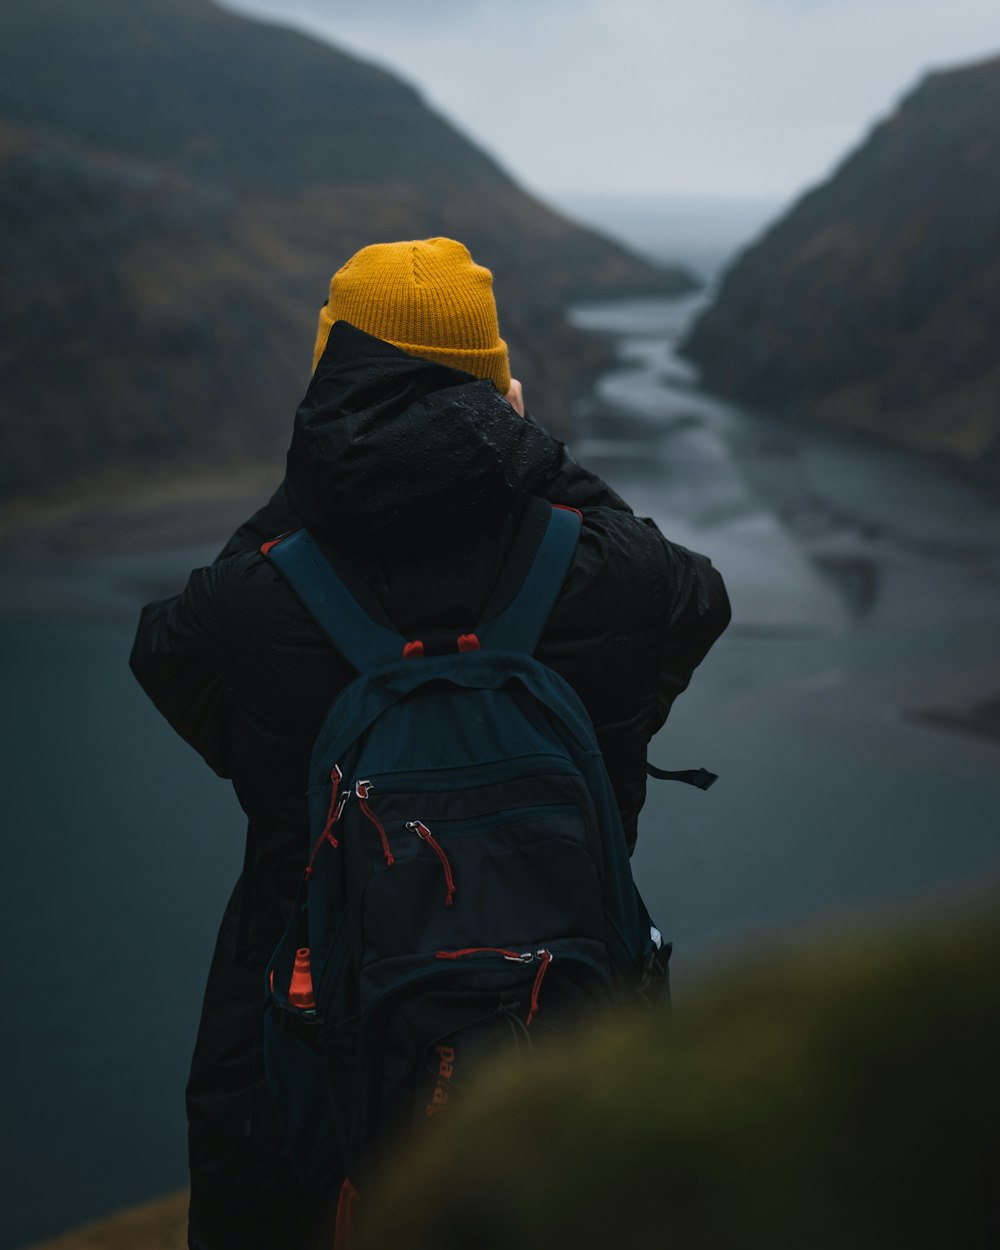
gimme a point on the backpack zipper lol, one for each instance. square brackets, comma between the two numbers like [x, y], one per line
[516, 957]
[435, 781]
[420, 829]
[525, 957]
[362, 791]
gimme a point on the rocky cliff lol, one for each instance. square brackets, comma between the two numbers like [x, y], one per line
[177, 184]
[875, 302]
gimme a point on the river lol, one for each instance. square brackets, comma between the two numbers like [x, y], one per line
[839, 711]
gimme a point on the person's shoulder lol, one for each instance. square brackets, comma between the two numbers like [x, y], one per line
[620, 546]
[627, 571]
[615, 577]
[247, 587]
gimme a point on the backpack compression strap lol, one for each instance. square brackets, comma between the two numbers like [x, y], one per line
[699, 777]
[364, 643]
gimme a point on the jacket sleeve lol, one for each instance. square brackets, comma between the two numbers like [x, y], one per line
[178, 658]
[689, 611]
[691, 602]
[570, 483]
[689, 596]
[695, 613]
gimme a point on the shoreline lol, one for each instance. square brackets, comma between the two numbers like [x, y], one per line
[58, 519]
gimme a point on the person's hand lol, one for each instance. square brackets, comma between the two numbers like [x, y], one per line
[515, 397]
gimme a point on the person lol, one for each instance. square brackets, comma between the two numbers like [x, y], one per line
[412, 455]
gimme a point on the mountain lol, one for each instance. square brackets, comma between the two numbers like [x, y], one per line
[875, 302]
[177, 184]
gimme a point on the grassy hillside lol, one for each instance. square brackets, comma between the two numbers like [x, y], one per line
[840, 1093]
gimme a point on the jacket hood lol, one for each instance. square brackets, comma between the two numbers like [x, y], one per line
[394, 453]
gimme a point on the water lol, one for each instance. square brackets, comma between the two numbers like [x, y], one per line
[866, 587]
[122, 848]
[865, 584]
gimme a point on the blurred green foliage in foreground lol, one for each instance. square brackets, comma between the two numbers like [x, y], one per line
[842, 1094]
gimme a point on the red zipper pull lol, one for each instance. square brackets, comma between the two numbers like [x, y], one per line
[333, 811]
[362, 790]
[546, 958]
[526, 957]
[422, 832]
[333, 814]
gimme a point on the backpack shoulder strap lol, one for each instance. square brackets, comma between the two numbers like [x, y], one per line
[540, 568]
[362, 641]
[533, 573]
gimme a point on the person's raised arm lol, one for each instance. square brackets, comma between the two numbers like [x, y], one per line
[179, 659]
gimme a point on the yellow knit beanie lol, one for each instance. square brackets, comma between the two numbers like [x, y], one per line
[425, 296]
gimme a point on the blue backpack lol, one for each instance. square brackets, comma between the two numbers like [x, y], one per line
[468, 883]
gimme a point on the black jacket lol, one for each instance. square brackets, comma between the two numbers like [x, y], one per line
[417, 473]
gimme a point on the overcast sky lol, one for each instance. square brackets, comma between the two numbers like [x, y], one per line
[671, 97]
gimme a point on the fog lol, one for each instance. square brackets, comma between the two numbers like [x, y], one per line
[716, 98]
